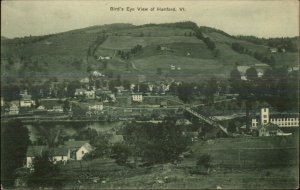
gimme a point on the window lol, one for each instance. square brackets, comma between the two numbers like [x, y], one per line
[265, 116]
[82, 152]
[62, 157]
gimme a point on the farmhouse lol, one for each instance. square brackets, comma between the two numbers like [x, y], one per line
[273, 50]
[271, 129]
[282, 120]
[60, 154]
[78, 148]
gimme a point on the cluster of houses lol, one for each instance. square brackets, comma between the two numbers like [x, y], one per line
[71, 150]
[260, 68]
[15, 107]
[271, 124]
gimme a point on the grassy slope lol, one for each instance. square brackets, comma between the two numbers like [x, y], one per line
[60, 50]
[172, 176]
[128, 42]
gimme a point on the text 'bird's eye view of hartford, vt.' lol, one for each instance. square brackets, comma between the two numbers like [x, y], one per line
[149, 94]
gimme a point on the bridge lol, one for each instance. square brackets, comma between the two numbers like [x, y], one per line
[209, 120]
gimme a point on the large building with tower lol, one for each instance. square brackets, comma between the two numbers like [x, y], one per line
[280, 119]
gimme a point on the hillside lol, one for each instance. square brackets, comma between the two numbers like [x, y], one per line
[71, 54]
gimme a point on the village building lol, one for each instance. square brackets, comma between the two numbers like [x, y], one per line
[2, 101]
[271, 129]
[172, 67]
[273, 50]
[25, 100]
[138, 97]
[60, 154]
[282, 120]
[105, 94]
[96, 74]
[85, 80]
[89, 94]
[14, 108]
[104, 57]
[78, 149]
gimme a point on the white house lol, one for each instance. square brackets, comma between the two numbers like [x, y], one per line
[103, 57]
[85, 80]
[13, 109]
[78, 148]
[60, 154]
[172, 67]
[137, 97]
[273, 50]
[2, 101]
[98, 107]
[96, 74]
[26, 100]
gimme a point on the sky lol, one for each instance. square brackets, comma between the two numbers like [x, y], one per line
[262, 18]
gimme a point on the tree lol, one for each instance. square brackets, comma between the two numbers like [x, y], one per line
[251, 74]
[14, 142]
[185, 92]
[204, 160]
[210, 90]
[46, 174]
[121, 153]
[156, 143]
[71, 88]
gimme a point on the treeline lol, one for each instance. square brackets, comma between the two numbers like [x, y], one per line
[155, 143]
[209, 43]
[263, 57]
[280, 43]
[25, 40]
[182, 25]
[133, 51]
[206, 29]
[93, 47]
[277, 87]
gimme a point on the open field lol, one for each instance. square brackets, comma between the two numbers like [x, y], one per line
[128, 42]
[105, 173]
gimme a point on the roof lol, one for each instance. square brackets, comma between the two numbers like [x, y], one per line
[242, 69]
[33, 151]
[59, 151]
[75, 144]
[88, 147]
[270, 127]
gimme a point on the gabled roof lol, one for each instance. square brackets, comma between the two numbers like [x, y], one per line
[88, 147]
[59, 151]
[33, 151]
[270, 127]
[75, 144]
